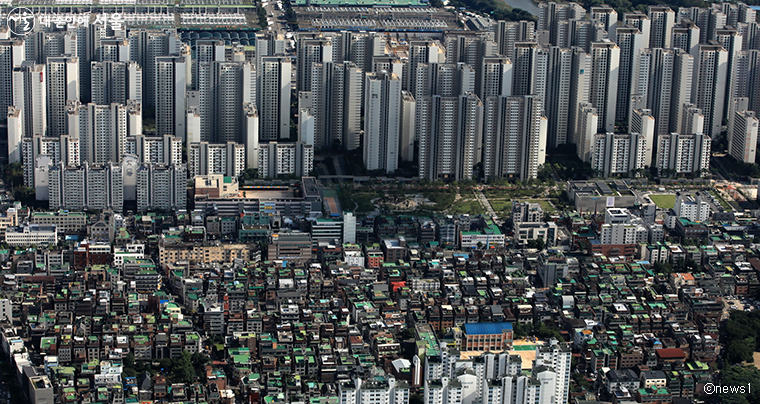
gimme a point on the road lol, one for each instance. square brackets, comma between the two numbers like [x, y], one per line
[273, 14]
[487, 206]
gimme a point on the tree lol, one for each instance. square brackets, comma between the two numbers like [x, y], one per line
[129, 361]
[182, 369]
[740, 350]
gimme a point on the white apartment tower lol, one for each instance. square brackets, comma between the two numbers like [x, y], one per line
[530, 65]
[62, 87]
[30, 96]
[664, 82]
[683, 154]
[567, 85]
[12, 54]
[641, 21]
[164, 149]
[170, 89]
[605, 68]
[618, 153]
[631, 43]
[274, 105]
[708, 90]
[115, 82]
[742, 132]
[515, 137]
[507, 33]
[662, 20]
[144, 47]
[161, 187]
[643, 123]
[336, 95]
[448, 149]
[312, 49]
[382, 121]
[285, 159]
[223, 88]
[226, 159]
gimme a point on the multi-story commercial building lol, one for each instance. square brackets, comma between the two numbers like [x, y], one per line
[290, 246]
[31, 234]
[64, 221]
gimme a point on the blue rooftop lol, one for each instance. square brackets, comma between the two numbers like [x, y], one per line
[486, 328]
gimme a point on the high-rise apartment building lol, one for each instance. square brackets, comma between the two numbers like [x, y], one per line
[161, 187]
[86, 187]
[514, 137]
[30, 97]
[618, 153]
[507, 33]
[116, 82]
[605, 69]
[223, 88]
[683, 154]
[102, 130]
[382, 121]
[285, 159]
[708, 90]
[742, 131]
[336, 102]
[631, 42]
[664, 82]
[144, 47]
[12, 54]
[274, 105]
[160, 149]
[227, 159]
[170, 89]
[62, 87]
[662, 20]
[312, 49]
